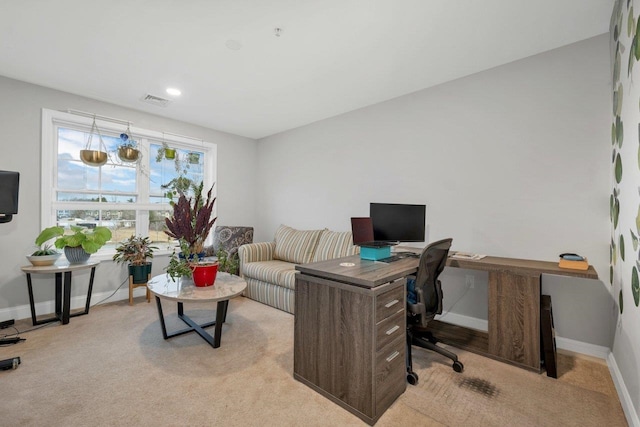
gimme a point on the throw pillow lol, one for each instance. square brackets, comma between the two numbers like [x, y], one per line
[334, 244]
[295, 245]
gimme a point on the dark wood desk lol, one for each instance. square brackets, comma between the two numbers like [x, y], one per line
[513, 334]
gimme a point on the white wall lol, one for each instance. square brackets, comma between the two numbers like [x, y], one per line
[510, 162]
[20, 123]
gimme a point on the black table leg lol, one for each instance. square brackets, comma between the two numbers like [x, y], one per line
[58, 310]
[214, 341]
[66, 304]
[31, 302]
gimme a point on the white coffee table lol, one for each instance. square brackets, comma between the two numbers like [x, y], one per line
[183, 290]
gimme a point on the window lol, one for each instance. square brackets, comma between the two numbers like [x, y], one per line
[128, 198]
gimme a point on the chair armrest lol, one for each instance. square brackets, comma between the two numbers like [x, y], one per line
[253, 252]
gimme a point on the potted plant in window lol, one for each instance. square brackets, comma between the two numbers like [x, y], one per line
[79, 244]
[190, 224]
[128, 149]
[136, 250]
[202, 272]
[166, 152]
[191, 219]
[45, 255]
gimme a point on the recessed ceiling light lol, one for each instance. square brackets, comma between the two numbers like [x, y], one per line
[173, 91]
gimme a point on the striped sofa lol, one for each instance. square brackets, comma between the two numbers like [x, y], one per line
[269, 267]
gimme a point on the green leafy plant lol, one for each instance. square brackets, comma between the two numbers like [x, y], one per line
[226, 263]
[45, 251]
[135, 250]
[191, 221]
[178, 186]
[180, 267]
[91, 239]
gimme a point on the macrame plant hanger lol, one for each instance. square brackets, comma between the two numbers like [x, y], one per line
[94, 157]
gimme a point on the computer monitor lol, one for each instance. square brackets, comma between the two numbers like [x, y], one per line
[9, 184]
[398, 222]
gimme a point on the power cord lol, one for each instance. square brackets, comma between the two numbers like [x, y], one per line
[112, 294]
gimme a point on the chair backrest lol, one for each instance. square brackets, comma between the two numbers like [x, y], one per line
[427, 286]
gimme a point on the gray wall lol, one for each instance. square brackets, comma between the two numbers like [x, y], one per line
[20, 124]
[510, 162]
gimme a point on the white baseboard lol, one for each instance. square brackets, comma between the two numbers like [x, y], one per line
[465, 321]
[48, 307]
[583, 348]
[623, 394]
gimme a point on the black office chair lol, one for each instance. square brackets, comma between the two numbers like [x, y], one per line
[424, 301]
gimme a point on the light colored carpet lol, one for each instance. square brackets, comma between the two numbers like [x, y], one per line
[112, 368]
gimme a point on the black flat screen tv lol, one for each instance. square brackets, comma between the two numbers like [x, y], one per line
[9, 186]
[396, 222]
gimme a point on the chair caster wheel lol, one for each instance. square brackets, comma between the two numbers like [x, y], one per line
[457, 366]
[412, 378]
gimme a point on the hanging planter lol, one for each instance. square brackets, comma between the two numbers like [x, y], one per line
[128, 151]
[128, 154]
[193, 158]
[94, 157]
[170, 153]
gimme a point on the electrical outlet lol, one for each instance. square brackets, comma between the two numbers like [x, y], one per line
[469, 281]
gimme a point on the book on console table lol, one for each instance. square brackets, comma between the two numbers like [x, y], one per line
[574, 264]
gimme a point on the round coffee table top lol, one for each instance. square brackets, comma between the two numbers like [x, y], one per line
[183, 289]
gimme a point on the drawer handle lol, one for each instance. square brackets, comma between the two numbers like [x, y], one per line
[392, 330]
[393, 356]
[392, 303]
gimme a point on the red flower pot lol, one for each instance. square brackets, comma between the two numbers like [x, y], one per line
[204, 274]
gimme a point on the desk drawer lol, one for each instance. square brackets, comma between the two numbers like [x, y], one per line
[390, 374]
[389, 329]
[390, 302]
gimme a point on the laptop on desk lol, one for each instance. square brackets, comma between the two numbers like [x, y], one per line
[362, 231]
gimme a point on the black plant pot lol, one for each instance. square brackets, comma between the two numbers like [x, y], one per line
[140, 273]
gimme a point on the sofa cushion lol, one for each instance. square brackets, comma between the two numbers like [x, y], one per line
[295, 245]
[334, 244]
[280, 273]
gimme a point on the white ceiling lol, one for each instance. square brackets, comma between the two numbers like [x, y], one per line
[333, 56]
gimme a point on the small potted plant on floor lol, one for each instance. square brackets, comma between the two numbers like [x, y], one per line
[136, 250]
[79, 243]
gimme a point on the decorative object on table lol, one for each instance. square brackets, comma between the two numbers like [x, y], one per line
[136, 250]
[202, 272]
[128, 149]
[191, 220]
[94, 157]
[79, 244]
[573, 261]
[44, 256]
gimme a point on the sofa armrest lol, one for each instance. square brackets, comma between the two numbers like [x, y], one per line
[253, 252]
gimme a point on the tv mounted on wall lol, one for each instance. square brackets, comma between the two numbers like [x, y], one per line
[395, 222]
[9, 186]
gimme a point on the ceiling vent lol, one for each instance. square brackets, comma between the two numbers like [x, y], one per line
[155, 100]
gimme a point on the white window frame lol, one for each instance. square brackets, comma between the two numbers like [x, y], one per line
[52, 119]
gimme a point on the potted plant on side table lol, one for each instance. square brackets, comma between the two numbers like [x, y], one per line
[190, 224]
[136, 250]
[79, 244]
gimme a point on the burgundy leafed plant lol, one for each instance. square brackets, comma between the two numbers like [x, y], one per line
[191, 220]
